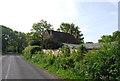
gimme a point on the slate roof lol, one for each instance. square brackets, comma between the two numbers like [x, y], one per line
[94, 45]
[87, 46]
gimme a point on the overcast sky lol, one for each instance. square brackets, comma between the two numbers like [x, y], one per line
[94, 17]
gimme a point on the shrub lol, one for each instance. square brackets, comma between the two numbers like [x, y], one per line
[65, 50]
[31, 49]
[81, 50]
[102, 64]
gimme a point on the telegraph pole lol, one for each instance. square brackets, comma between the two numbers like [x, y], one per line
[119, 16]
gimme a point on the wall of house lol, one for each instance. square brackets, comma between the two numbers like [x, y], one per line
[55, 52]
[46, 35]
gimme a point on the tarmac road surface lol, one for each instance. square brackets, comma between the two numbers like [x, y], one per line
[14, 67]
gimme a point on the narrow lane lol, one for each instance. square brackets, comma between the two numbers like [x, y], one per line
[14, 67]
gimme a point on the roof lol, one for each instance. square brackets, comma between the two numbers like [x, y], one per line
[62, 37]
[87, 46]
[94, 45]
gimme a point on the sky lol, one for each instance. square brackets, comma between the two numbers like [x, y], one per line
[94, 17]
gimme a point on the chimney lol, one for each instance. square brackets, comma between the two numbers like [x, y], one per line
[51, 33]
[77, 35]
[71, 30]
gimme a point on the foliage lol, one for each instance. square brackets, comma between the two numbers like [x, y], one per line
[31, 49]
[106, 38]
[51, 44]
[65, 50]
[12, 40]
[116, 36]
[34, 43]
[64, 27]
[6, 37]
[81, 50]
[38, 30]
[110, 38]
[102, 64]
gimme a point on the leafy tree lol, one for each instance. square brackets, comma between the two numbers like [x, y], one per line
[7, 37]
[110, 38]
[37, 31]
[12, 40]
[20, 41]
[39, 28]
[106, 38]
[64, 27]
[116, 36]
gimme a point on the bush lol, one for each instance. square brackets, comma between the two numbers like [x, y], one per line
[65, 50]
[102, 64]
[31, 49]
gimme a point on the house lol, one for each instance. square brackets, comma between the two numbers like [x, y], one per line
[68, 38]
[62, 37]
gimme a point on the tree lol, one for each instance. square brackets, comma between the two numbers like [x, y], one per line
[39, 28]
[37, 31]
[13, 41]
[7, 37]
[116, 36]
[64, 27]
[110, 38]
[20, 41]
[106, 38]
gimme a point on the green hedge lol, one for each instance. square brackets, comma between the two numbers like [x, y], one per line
[31, 49]
[102, 64]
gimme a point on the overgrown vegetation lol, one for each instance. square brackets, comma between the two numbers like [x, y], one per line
[31, 50]
[103, 64]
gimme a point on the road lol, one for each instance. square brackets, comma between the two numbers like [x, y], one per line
[15, 67]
